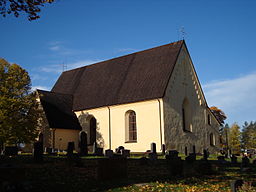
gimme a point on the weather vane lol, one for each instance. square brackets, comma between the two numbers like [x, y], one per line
[182, 32]
[64, 66]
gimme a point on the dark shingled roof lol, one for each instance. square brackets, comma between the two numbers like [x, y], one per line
[135, 77]
[58, 110]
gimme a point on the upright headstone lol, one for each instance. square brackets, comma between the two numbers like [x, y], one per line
[191, 158]
[233, 159]
[236, 184]
[125, 153]
[245, 161]
[109, 153]
[119, 149]
[194, 149]
[70, 149]
[152, 155]
[163, 149]
[153, 148]
[221, 159]
[38, 151]
[172, 154]
[83, 144]
[186, 151]
[94, 148]
[206, 154]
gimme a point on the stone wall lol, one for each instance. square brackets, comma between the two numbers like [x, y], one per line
[184, 85]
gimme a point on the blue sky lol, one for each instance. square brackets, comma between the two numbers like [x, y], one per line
[220, 35]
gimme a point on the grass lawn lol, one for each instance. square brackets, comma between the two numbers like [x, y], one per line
[211, 183]
[55, 175]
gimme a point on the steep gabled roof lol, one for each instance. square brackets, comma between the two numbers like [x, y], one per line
[58, 110]
[135, 77]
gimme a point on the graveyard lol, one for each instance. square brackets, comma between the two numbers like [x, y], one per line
[121, 170]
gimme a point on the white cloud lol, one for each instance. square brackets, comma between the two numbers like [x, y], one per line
[236, 97]
[55, 48]
[58, 68]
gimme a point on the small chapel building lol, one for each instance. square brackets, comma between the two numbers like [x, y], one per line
[133, 100]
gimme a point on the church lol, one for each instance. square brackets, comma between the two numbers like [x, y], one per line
[133, 100]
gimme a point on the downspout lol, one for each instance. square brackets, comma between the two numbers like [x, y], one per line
[160, 123]
[109, 127]
[53, 138]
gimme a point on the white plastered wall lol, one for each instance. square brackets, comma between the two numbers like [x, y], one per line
[113, 130]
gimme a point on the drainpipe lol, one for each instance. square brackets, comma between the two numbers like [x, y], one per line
[53, 138]
[160, 123]
[109, 127]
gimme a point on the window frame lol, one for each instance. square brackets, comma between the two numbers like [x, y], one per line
[131, 127]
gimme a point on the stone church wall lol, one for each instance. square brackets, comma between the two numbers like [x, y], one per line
[184, 84]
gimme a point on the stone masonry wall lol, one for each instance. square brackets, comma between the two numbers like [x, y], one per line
[184, 84]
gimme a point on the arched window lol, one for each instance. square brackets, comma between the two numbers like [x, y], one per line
[186, 116]
[212, 139]
[130, 126]
[209, 119]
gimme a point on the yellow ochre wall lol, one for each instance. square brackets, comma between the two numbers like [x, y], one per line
[113, 134]
[63, 136]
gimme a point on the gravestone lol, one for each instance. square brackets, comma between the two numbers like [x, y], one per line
[153, 148]
[190, 158]
[236, 184]
[125, 153]
[173, 154]
[83, 144]
[119, 149]
[38, 151]
[152, 155]
[245, 161]
[194, 149]
[186, 151]
[49, 150]
[94, 149]
[233, 159]
[163, 149]
[70, 149]
[109, 153]
[99, 152]
[206, 154]
[221, 159]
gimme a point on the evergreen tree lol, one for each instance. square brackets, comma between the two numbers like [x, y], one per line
[249, 135]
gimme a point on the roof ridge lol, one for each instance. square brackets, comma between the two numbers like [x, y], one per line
[102, 62]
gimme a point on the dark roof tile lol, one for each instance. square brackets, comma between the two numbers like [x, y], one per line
[135, 77]
[58, 110]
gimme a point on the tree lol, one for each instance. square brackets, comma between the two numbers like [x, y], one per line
[219, 114]
[30, 7]
[249, 135]
[18, 106]
[235, 139]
